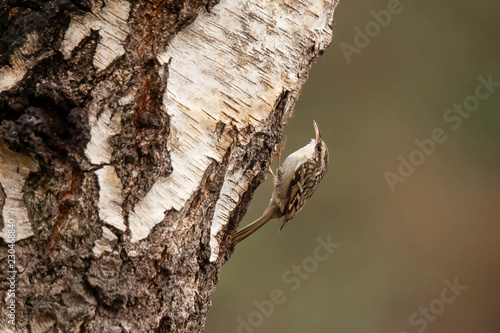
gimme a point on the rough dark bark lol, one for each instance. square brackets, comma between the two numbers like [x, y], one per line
[92, 137]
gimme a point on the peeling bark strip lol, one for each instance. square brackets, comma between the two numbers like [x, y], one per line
[110, 21]
[19, 62]
[132, 137]
[110, 197]
[14, 169]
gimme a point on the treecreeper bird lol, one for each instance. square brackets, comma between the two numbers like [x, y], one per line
[295, 182]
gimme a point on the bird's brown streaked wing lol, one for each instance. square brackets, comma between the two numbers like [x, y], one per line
[295, 194]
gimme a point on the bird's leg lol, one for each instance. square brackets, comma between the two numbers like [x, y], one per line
[281, 146]
[270, 170]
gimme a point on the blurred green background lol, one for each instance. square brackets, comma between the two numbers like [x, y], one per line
[397, 248]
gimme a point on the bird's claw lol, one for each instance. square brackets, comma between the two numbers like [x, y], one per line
[269, 170]
[281, 146]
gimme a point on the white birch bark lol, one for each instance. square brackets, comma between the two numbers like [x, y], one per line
[146, 129]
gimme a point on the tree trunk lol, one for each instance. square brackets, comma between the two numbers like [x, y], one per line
[132, 136]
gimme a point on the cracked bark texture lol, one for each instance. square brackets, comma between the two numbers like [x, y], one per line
[132, 136]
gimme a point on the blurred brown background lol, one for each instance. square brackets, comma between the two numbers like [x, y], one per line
[397, 248]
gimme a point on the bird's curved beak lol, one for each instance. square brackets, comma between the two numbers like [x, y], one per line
[318, 133]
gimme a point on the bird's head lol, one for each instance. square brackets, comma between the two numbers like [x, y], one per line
[320, 149]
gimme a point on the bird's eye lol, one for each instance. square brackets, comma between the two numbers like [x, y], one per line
[318, 148]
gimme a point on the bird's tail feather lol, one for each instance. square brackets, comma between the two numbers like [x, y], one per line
[272, 212]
